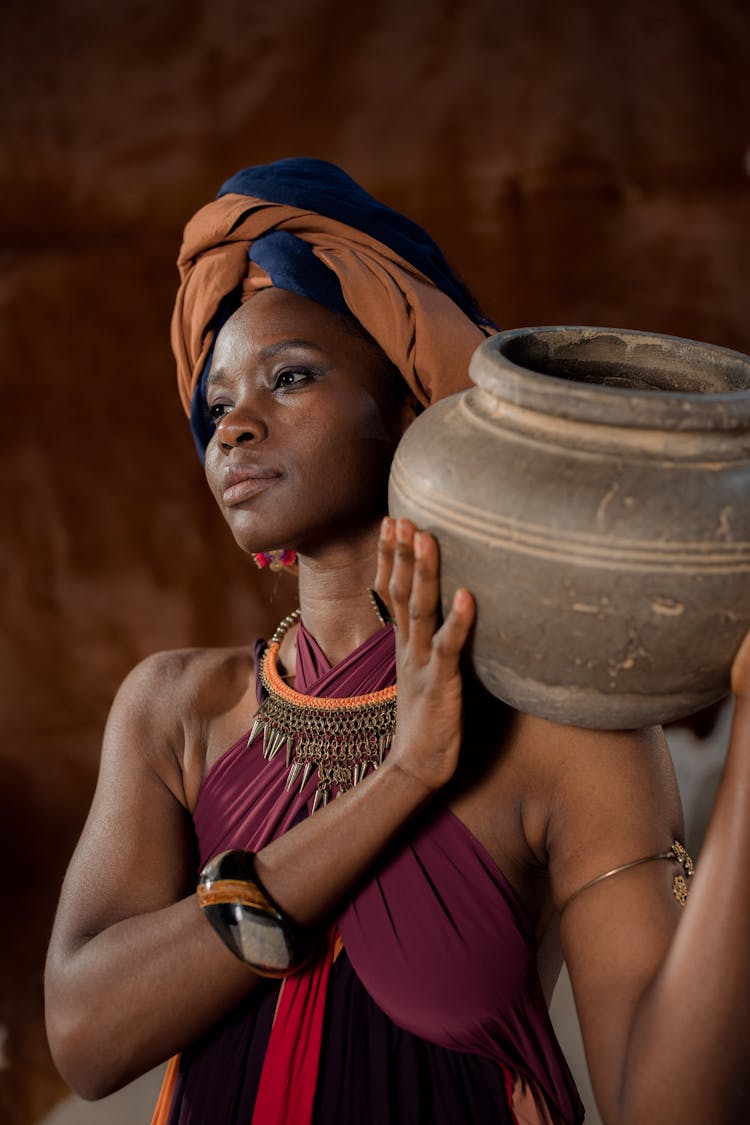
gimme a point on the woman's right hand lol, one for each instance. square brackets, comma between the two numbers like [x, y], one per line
[428, 733]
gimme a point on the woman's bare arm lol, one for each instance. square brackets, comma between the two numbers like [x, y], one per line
[662, 993]
[134, 972]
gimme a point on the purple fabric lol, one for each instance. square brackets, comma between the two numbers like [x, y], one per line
[436, 938]
[372, 1072]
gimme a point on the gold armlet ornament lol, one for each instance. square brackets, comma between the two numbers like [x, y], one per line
[676, 854]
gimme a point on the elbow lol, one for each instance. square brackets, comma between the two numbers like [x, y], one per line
[84, 1073]
[80, 1055]
[89, 1088]
[78, 1071]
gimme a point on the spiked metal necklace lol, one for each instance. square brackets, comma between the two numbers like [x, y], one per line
[339, 737]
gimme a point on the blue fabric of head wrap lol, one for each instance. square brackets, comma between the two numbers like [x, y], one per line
[326, 189]
[291, 264]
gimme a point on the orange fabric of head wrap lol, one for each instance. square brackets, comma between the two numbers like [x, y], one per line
[420, 328]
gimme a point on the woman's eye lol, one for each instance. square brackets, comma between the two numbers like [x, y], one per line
[217, 410]
[291, 378]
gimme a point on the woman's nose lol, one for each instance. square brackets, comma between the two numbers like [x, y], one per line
[240, 426]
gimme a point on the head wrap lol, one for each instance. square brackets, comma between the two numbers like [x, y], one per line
[306, 226]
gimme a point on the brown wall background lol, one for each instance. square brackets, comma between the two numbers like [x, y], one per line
[580, 162]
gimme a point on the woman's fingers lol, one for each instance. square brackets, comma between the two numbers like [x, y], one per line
[428, 730]
[407, 580]
[402, 576]
[386, 547]
[453, 633]
[425, 593]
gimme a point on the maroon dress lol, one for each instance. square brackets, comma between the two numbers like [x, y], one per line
[433, 1011]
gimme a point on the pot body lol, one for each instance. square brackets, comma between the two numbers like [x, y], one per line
[593, 492]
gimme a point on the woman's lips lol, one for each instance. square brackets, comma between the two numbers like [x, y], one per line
[239, 487]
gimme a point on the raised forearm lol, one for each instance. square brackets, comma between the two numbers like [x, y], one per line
[688, 1057]
[310, 869]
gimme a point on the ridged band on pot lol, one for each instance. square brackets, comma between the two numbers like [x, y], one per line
[597, 508]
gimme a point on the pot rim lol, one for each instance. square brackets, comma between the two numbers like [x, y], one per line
[494, 371]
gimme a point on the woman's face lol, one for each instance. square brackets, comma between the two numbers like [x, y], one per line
[307, 419]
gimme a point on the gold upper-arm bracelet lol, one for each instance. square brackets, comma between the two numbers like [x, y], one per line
[677, 854]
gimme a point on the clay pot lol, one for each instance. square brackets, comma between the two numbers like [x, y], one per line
[593, 492]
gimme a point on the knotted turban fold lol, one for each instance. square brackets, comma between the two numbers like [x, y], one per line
[306, 226]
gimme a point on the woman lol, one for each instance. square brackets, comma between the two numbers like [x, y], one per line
[415, 922]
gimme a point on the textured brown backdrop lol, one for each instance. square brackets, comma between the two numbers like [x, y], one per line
[580, 162]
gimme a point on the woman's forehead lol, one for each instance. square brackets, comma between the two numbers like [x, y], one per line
[275, 322]
[272, 312]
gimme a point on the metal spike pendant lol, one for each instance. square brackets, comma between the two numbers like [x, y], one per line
[289, 750]
[384, 743]
[294, 773]
[255, 730]
[305, 775]
[276, 743]
[320, 799]
[269, 735]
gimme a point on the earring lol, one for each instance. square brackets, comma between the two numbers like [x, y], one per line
[276, 560]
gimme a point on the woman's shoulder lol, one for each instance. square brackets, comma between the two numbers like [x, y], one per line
[569, 781]
[184, 685]
[193, 677]
[169, 705]
[596, 796]
[574, 757]
[171, 699]
[581, 762]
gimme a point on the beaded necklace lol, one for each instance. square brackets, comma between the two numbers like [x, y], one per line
[341, 738]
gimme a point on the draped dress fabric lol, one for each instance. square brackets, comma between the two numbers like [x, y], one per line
[432, 1011]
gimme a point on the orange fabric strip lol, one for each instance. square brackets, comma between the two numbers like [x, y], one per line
[164, 1101]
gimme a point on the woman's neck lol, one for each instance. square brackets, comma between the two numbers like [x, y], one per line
[335, 599]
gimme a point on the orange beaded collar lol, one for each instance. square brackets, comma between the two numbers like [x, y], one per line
[341, 738]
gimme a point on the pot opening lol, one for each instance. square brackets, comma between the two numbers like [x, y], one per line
[629, 360]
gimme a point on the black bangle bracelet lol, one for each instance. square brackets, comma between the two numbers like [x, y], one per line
[247, 919]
